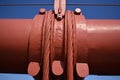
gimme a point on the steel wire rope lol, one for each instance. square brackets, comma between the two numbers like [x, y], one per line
[65, 45]
[70, 74]
[46, 49]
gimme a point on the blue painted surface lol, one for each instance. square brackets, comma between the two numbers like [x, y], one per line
[15, 77]
[68, 1]
[93, 77]
[28, 77]
[90, 12]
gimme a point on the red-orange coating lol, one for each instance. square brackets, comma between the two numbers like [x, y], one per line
[102, 46]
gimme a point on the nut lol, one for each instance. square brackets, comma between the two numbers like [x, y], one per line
[42, 11]
[78, 10]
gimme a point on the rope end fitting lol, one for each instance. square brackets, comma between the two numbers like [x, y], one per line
[59, 8]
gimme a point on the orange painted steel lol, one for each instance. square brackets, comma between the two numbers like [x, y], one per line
[74, 45]
[14, 36]
[103, 46]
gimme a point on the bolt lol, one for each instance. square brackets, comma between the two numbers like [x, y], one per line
[59, 16]
[78, 10]
[42, 11]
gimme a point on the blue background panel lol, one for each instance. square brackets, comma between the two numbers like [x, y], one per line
[21, 11]
[51, 1]
[90, 12]
[92, 9]
[15, 77]
[28, 77]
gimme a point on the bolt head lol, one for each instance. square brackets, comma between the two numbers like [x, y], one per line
[78, 10]
[42, 11]
[59, 16]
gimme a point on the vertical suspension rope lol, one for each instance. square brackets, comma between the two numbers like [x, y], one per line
[70, 47]
[74, 39]
[65, 44]
[43, 35]
[51, 45]
[46, 50]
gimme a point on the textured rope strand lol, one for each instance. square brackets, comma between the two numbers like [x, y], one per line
[47, 46]
[70, 48]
